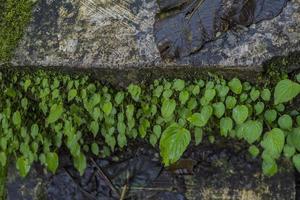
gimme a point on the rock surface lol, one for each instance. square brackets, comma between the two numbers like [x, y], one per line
[120, 34]
[218, 171]
[89, 33]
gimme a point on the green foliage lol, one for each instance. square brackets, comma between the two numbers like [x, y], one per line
[240, 114]
[168, 108]
[285, 122]
[42, 112]
[235, 86]
[253, 150]
[285, 91]
[270, 115]
[226, 125]
[198, 135]
[252, 131]
[174, 141]
[273, 142]
[296, 161]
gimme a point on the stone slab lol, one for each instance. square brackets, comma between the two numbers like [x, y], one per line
[120, 34]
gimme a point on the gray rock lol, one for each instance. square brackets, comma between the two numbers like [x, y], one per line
[119, 34]
[254, 45]
[89, 33]
[211, 171]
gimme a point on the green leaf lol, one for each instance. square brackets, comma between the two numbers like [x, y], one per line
[235, 86]
[121, 127]
[259, 108]
[226, 125]
[168, 108]
[254, 94]
[198, 134]
[230, 102]
[72, 94]
[285, 91]
[52, 161]
[144, 125]
[296, 161]
[294, 138]
[280, 107]
[153, 140]
[157, 91]
[285, 122]
[298, 78]
[266, 95]
[184, 96]
[196, 90]
[174, 141]
[119, 98]
[80, 163]
[27, 83]
[269, 167]
[273, 142]
[254, 151]
[55, 113]
[95, 149]
[129, 111]
[178, 84]
[17, 119]
[240, 114]
[107, 108]
[157, 130]
[34, 130]
[288, 151]
[219, 109]
[197, 119]
[270, 115]
[201, 119]
[209, 94]
[3, 159]
[135, 91]
[122, 140]
[243, 97]
[252, 131]
[23, 166]
[94, 128]
[222, 91]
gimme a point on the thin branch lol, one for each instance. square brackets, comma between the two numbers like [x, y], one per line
[123, 194]
[81, 189]
[102, 174]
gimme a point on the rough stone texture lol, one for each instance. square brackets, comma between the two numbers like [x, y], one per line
[88, 33]
[119, 34]
[253, 45]
[207, 172]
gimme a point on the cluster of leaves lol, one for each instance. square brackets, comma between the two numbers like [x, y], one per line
[42, 111]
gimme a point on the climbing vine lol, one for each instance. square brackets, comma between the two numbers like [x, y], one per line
[40, 112]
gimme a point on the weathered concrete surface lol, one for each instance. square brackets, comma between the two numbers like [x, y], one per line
[119, 34]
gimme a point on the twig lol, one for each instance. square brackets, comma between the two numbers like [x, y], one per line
[195, 9]
[81, 189]
[102, 174]
[151, 189]
[123, 194]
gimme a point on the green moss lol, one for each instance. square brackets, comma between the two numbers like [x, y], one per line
[14, 16]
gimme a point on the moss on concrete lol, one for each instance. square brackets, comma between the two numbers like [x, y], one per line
[14, 16]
